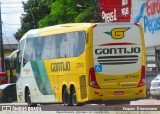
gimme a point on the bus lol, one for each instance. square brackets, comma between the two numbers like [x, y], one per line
[10, 67]
[78, 63]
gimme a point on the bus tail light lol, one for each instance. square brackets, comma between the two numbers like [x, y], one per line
[94, 25]
[92, 79]
[137, 24]
[143, 77]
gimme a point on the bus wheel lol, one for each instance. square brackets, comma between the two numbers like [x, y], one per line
[28, 98]
[74, 98]
[66, 97]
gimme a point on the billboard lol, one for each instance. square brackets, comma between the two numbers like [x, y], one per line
[115, 10]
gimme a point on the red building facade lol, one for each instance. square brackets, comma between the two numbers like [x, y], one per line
[115, 10]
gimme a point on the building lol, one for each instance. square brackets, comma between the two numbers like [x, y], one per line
[9, 45]
[146, 12]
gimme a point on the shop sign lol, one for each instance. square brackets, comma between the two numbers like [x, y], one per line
[152, 17]
[115, 10]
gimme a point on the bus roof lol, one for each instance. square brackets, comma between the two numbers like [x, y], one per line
[49, 30]
[36, 32]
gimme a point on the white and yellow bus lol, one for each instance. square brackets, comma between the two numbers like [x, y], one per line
[81, 62]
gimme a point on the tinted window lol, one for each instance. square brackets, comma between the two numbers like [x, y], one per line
[56, 46]
[29, 50]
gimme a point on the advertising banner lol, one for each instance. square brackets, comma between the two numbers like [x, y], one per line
[115, 10]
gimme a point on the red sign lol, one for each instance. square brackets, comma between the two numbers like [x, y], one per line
[152, 7]
[115, 10]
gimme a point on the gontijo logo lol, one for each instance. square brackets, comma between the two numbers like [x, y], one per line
[117, 33]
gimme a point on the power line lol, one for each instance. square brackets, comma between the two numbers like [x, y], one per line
[11, 12]
[11, 32]
[11, 24]
[12, 7]
[5, 32]
[11, 2]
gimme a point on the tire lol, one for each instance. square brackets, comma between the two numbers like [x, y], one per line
[28, 98]
[74, 98]
[66, 97]
[9, 99]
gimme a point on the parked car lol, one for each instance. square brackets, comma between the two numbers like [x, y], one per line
[8, 93]
[155, 87]
[3, 78]
[149, 77]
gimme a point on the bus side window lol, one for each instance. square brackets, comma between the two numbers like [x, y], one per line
[81, 42]
[19, 57]
[18, 62]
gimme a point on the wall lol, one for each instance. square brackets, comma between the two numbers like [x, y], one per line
[8, 49]
[147, 12]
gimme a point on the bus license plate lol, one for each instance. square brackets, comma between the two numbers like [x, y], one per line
[118, 93]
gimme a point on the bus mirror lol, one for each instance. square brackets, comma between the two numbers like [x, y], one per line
[13, 57]
[11, 63]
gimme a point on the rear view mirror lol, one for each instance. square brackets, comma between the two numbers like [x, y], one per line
[13, 57]
[11, 63]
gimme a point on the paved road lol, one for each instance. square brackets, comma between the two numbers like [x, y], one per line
[90, 107]
[146, 102]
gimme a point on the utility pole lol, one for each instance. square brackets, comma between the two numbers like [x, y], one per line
[1, 42]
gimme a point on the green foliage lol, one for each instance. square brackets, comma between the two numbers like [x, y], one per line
[42, 13]
[34, 10]
[70, 11]
[86, 15]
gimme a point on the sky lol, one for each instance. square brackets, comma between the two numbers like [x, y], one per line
[11, 11]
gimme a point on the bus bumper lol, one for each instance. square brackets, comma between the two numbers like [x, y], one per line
[117, 94]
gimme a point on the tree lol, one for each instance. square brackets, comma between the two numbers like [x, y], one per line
[42, 13]
[70, 11]
[34, 10]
